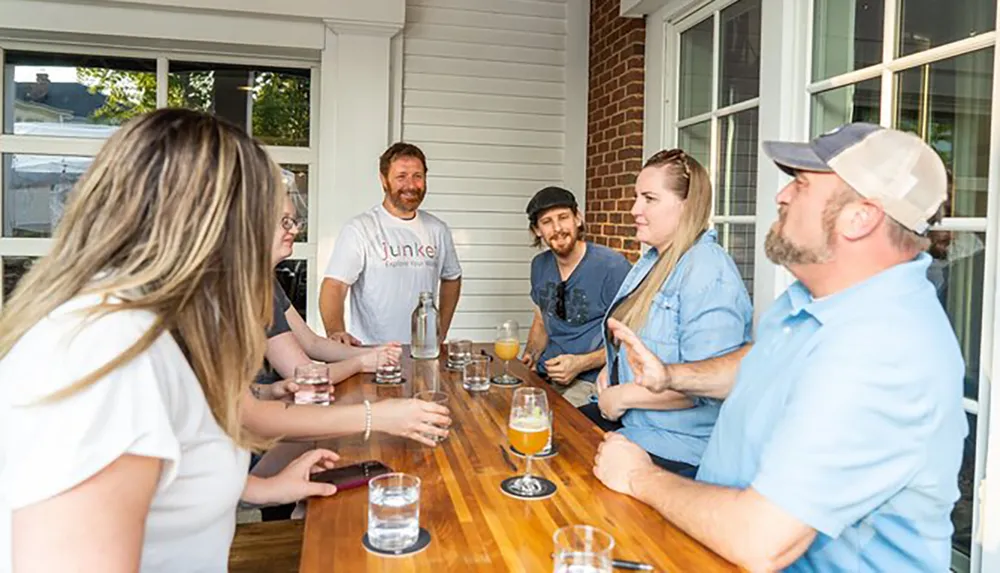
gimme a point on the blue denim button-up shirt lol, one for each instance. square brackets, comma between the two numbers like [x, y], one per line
[702, 310]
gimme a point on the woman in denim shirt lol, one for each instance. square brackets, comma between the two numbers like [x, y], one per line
[686, 300]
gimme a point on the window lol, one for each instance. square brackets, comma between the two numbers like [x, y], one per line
[935, 80]
[272, 104]
[716, 117]
[58, 108]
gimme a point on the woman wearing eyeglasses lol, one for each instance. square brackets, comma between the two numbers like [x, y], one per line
[686, 300]
[291, 343]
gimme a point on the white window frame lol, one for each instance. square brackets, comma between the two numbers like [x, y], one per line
[673, 28]
[27, 144]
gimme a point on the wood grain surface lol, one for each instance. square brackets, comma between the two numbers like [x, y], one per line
[474, 526]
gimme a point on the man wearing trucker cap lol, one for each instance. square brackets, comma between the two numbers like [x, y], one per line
[839, 442]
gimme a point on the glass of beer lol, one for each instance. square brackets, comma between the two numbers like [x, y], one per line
[506, 346]
[528, 431]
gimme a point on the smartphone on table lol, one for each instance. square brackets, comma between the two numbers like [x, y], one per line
[352, 476]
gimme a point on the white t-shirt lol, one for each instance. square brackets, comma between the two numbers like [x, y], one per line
[388, 262]
[153, 407]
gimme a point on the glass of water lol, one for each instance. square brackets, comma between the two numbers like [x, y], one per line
[314, 384]
[582, 549]
[459, 353]
[476, 374]
[388, 369]
[393, 511]
[439, 398]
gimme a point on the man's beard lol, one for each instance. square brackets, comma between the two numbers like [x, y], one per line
[570, 244]
[396, 198]
[782, 251]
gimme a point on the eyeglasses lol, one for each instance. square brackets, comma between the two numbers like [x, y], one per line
[561, 301]
[289, 223]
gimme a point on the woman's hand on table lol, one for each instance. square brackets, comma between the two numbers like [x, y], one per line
[292, 483]
[369, 360]
[411, 418]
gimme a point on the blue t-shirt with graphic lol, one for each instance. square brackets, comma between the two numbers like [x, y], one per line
[573, 311]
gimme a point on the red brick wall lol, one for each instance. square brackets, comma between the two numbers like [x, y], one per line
[614, 124]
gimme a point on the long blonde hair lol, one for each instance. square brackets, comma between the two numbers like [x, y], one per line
[687, 179]
[174, 216]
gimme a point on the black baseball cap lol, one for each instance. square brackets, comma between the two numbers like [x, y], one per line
[548, 198]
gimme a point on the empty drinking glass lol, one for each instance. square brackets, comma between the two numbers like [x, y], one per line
[434, 397]
[476, 374]
[582, 549]
[388, 369]
[393, 511]
[314, 384]
[459, 353]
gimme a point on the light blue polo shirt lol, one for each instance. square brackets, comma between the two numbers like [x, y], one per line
[702, 310]
[847, 413]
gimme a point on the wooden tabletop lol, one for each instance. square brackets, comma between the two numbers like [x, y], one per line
[473, 525]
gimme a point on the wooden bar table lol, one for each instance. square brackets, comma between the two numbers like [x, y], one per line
[473, 525]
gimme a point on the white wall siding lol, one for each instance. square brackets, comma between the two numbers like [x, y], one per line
[485, 96]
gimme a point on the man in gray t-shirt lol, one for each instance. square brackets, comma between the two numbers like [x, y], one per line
[572, 285]
[387, 256]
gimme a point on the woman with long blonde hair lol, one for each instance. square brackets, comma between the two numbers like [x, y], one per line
[125, 355]
[686, 300]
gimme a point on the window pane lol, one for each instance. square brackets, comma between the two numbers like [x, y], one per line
[696, 71]
[737, 239]
[857, 102]
[13, 269]
[74, 96]
[847, 36]
[273, 104]
[948, 104]
[925, 24]
[292, 275]
[34, 191]
[739, 53]
[298, 175]
[961, 516]
[695, 141]
[736, 179]
[957, 271]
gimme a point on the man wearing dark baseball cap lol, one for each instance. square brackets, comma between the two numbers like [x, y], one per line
[840, 439]
[572, 285]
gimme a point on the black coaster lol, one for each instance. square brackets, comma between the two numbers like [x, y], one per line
[549, 454]
[423, 540]
[401, 381]
[499, 381]
[547, 489]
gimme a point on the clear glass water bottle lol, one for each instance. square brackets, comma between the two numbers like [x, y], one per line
[425, 334]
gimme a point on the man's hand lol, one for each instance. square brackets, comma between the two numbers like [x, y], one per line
[611, 401]
[563, 369]
[529, 358]
[618, 460]
[344, 338]
[649, 371]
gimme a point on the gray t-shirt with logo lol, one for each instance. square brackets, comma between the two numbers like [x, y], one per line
[388, 262]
